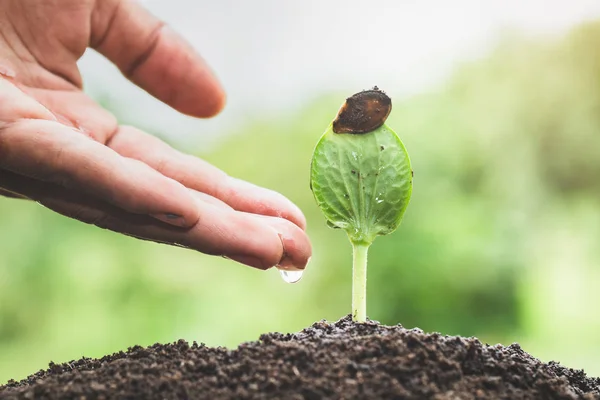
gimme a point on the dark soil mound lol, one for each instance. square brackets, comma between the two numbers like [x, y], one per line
[326, 361]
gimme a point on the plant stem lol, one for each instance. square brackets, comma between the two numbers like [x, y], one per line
[359, 282]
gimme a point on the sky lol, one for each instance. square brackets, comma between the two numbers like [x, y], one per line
[273, 56]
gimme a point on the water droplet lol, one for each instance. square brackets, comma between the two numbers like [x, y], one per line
[378, 200]
[291, 276]
[355, 155]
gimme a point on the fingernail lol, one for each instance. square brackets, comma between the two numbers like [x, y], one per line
[171, 219]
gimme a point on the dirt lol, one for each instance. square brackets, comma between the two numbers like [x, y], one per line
[341, 360]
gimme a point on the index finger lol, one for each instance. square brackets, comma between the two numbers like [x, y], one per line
[155, 58]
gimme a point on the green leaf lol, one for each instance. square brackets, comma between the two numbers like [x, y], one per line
[362, 182]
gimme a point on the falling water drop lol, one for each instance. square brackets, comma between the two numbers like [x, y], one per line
[291, 276]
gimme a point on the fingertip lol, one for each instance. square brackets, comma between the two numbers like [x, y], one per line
[297, 217]
[194, 88]
[287, 209]
[176, 75]
[294, 215]
[258, 241]
[297, 250]
[156, 58]
[295, 246]
[210, 107]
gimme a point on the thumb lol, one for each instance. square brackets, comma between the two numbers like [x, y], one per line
[155, 58]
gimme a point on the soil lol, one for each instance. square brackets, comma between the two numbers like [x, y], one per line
[341, 360]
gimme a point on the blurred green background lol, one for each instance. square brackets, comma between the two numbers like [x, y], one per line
[501, 239]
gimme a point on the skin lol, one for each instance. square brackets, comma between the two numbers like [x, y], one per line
[62, 150]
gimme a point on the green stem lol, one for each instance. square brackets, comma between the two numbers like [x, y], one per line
[359, 282]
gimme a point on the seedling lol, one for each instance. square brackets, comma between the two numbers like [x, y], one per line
[361, 178]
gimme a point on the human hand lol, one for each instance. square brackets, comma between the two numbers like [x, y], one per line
[61, 149]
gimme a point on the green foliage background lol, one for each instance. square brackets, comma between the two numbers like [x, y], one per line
[501, 240]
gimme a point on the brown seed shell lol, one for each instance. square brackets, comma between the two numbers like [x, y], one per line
[363, 112]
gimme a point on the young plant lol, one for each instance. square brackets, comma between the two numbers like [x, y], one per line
[361, 178]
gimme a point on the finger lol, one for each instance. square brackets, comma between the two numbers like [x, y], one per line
[15, 104]
[9, 194]
[203, 197]
[260, 242]
[51, 152]
[197, 174]
[74, 108]
[296, 253]
[155, 58]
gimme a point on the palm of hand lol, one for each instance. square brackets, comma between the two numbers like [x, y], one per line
[60, 148]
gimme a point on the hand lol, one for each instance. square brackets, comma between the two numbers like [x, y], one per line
[59, 148]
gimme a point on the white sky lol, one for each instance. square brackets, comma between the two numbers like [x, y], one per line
[285, 52]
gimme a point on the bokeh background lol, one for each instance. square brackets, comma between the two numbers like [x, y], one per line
[498, 103]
